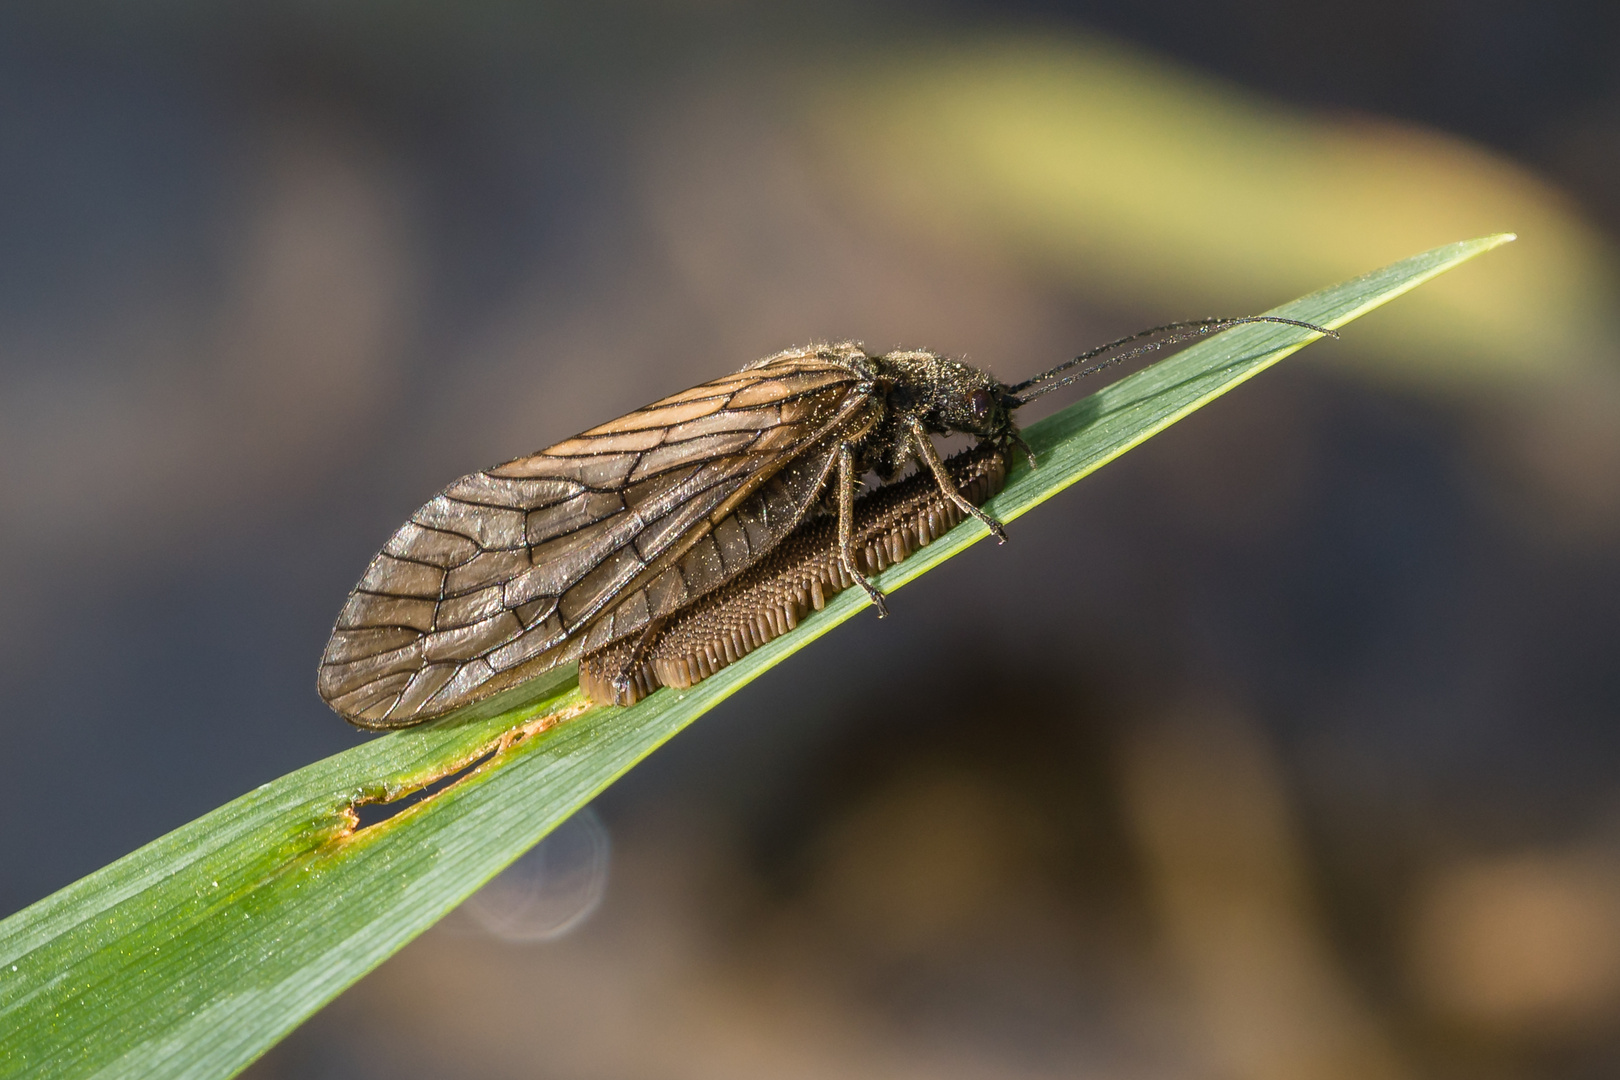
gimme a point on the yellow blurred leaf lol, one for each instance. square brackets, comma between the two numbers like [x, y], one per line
[1137, 180]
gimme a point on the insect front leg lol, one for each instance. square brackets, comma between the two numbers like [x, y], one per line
[930, 456]
[846, 518]
[1017, 440]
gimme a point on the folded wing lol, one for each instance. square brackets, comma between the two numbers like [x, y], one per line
[519, 568]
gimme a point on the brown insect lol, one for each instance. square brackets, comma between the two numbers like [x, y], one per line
[596, 543]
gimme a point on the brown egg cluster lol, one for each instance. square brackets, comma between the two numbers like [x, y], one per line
[796, 577]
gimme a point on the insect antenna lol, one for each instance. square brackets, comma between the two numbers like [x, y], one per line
[1190, 330]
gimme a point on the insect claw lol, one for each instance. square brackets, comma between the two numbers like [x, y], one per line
[876, 598]
[1029, 455]
[997, 529]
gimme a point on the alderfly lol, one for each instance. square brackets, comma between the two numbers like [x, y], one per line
[625, 547]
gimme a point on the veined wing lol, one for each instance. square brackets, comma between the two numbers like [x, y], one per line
[525, 566]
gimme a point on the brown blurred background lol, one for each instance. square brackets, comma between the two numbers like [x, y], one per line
[1284, 748]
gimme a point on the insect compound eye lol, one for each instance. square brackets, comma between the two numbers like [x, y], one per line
[979, 405]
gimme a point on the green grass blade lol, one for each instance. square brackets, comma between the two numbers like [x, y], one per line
[191, 956]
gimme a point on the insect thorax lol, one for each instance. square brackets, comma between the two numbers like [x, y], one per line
[926, 387]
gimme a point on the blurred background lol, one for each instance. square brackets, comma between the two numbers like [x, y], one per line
[1285, 747]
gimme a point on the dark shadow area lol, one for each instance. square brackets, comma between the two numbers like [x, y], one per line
[368, 814]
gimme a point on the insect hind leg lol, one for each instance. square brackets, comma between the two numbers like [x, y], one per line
[631, 681]
[622, 673]
[846, 518]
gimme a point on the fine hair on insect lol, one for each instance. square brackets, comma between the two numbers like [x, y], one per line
[599, 549]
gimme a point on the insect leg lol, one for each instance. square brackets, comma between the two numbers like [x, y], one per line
[846, 518]
[925, 449]
[622, 682]
[1017, 440]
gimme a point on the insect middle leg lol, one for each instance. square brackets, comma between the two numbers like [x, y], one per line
[930, 456]
[846, 518]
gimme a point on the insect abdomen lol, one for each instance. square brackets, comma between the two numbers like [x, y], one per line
[796, 577]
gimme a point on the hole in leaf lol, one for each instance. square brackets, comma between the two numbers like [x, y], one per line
[368, 813]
